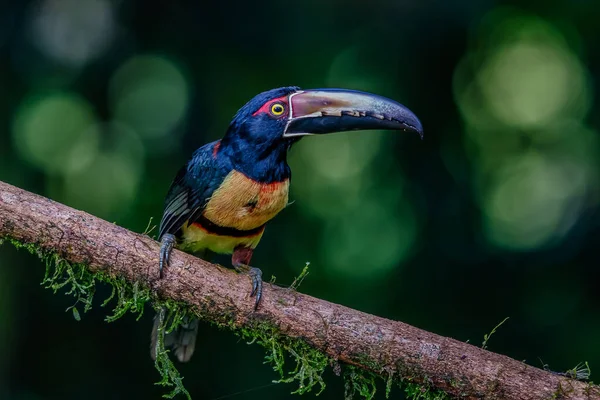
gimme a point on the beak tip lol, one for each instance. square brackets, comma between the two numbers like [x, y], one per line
[416, 126]
[418, 131]
[407, 120]
[421, 133]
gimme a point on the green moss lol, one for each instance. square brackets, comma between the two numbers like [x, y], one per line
[170, 316]
[486, 337]
[298, 281]
[364, 384]
[130, 298]
[361, 382]
[308, 363]
[74, 278]
[416, 391]
[293, 359]
[80, 283]
[581, 372]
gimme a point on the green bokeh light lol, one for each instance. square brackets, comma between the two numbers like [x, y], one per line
[370, 241]
[56, 132]
[73, 32]
[334, 170]
[532, 201]
[109, 184]
[364, 235]
[524, 76]
[357, 68]
[516, 84]
[150, 94]
[522, 93]
[450, 234]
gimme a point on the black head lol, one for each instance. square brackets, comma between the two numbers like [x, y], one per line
[279, 115]
[263, 130]
[262, 121]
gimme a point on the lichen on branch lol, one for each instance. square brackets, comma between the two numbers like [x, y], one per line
[76, 280]
[311, 333]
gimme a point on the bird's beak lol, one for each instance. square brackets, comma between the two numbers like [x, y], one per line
[322, 111]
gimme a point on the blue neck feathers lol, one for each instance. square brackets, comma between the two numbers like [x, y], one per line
[264, 161]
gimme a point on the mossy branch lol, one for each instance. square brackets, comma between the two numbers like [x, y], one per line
[313, 333]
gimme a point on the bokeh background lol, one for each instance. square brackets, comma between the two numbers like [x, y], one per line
[495, 214]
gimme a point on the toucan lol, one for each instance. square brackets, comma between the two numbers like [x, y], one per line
[222, 198]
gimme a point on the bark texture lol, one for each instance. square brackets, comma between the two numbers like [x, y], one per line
[377, 344]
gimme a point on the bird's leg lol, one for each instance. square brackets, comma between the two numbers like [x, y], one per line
[166, 246]
[241, 262]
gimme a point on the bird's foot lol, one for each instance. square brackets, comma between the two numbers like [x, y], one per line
[255, 275]
[166, 246]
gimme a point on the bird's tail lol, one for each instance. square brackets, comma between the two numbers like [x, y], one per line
[182, 339]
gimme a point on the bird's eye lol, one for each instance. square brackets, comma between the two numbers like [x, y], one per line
[277, 109]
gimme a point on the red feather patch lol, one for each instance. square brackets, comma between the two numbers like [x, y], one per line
[266, 108]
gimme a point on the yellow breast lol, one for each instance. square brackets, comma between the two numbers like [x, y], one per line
[244, 204]
[195, 238]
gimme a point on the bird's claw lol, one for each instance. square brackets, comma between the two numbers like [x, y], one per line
[166, 246]
[255, 275]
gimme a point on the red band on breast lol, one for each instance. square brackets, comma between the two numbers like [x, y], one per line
[272, 187]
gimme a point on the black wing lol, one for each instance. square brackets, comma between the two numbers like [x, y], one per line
[190, 190]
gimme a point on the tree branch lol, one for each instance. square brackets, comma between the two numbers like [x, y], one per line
[385, 347]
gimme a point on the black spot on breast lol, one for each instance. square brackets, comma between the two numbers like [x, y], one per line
[251, 204]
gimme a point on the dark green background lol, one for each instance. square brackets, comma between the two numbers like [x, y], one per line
[495, 214]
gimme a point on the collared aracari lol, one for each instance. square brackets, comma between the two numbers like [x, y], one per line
[220, 201]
